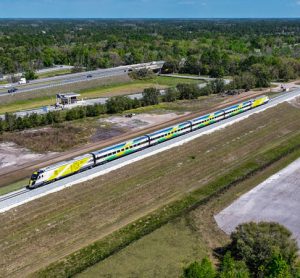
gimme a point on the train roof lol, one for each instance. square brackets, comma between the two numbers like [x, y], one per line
[64, 162]
[167, 128]
[208, 115]
[120, 145]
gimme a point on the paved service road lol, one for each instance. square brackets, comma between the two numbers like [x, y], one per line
[24, 196]
[55, 81]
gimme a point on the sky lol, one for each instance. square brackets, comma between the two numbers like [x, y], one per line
[149, 8]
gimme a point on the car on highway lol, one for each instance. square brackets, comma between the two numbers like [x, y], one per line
[12, 90]
[89, 76]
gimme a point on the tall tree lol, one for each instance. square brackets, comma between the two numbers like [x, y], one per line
[256, 244]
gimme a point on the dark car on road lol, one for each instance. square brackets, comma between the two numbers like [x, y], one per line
[12, 90]
[89, 76]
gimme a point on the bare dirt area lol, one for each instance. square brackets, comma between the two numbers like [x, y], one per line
[140, 121]
[13, 156]
[276, 199]
[47, 229]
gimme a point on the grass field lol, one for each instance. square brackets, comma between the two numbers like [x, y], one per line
[93, 89]
[46, 230]
[165, 252]
[13, 187]
[54, 73]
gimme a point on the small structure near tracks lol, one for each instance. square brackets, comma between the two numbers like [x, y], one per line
[67, 99]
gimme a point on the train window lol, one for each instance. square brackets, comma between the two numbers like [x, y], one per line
[127, 148]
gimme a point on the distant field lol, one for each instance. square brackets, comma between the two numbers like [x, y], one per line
[108, 87]
[82, 214]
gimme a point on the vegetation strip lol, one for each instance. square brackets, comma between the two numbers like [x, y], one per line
[99, 250]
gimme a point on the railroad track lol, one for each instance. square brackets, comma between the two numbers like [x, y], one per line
[13, 194]
[128, 136]
[15, 199]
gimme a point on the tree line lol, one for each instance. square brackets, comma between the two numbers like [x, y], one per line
[209, 47]
[118, 104]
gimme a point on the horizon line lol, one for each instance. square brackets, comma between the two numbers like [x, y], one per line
[146, 18]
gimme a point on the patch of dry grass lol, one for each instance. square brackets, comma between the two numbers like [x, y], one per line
[50, 139]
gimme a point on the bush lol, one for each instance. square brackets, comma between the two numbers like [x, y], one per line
[150, 96]
[245, 81]
[204, 269]
[217, 86]
[279, 268]
[233, 269]
[30, 75]
[119, 104]
[262, 75]
[141, 74]
[171, 95]
[188, 91]
[256, 244]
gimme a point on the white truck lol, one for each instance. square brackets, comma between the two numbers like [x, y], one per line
[22, 81]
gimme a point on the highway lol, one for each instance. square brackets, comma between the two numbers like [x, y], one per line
[17, 198]
[55, 81]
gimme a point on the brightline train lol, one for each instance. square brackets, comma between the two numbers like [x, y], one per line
[66, 168]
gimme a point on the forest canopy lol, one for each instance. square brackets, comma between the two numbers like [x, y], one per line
[209, 47]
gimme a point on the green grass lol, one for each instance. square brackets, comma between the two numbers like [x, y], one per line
[101, 249]
[27, 104]
[13, 187]
[161, 253]
[101, 91]
[3, 82]
[54, 73]
[157, 81]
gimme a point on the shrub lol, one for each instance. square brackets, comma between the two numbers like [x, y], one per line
[204, 269]
[150, 96]
[256, 244]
